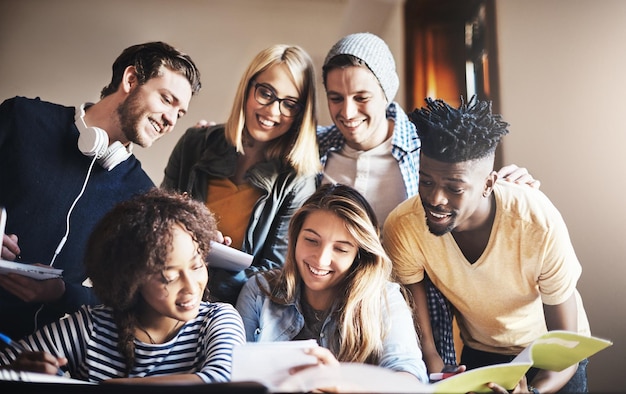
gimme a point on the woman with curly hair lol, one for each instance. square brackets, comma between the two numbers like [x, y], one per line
[335, 288]
[146, 261]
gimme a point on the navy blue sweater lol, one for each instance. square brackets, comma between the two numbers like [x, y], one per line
[41, 173]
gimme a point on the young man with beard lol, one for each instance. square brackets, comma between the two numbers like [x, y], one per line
[499, 252]
[62, 168]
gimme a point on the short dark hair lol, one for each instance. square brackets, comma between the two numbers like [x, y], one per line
[452, 135]
[148, 59]
[343, 61]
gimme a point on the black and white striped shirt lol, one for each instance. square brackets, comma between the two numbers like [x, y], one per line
[88, 339]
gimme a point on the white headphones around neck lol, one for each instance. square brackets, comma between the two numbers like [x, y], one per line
[93, 141]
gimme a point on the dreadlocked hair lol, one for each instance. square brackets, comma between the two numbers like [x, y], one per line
[452, 135]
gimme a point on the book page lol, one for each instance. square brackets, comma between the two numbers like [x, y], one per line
[557, 350]
[269, 362]
[352, 378]
[474, 380]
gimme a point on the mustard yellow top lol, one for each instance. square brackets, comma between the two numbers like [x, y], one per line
[529, 261]
[232, 205]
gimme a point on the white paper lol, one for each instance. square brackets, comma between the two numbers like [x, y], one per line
[222, 256]
[33, 377]
[269, 362]
[33, 271]
[352, 378]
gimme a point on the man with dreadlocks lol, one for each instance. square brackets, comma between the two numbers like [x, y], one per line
[499, 252]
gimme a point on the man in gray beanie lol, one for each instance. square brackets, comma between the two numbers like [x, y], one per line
[375, 53]
[372, 138]
[373, 146]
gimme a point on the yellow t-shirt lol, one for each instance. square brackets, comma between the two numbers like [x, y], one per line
[529, 260]
[232, 205]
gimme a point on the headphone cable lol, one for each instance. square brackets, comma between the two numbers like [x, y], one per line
[67, 227]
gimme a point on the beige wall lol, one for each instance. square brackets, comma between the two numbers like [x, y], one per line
[563, 78]
[562, 73]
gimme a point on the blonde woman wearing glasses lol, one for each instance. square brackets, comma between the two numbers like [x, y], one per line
[255, 170]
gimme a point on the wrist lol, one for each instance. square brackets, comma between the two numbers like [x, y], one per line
[532, 389]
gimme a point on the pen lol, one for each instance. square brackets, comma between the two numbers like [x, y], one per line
[440, 376]
[21, 348]
[3, 223]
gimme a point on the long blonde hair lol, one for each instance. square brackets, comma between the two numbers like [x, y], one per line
[297, 147]
[360, 312]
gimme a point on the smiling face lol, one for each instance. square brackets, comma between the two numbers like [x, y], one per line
[152, 109]
[265, 122]
[357, 105]
[324, 253]
[176, 294]
[454, 194]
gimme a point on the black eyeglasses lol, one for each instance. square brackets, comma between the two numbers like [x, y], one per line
[265, 95]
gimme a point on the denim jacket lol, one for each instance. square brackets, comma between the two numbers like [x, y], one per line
[267, 321]
[202, 154]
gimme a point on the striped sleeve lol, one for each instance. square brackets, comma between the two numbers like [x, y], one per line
[222, 330]
[63, 338]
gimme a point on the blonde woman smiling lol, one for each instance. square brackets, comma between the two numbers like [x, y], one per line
[335, 288]
[255, 170]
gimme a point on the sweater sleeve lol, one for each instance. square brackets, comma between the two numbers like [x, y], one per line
[225, 331]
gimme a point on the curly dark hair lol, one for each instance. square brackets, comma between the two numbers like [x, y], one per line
[148, 59]
[132, 242]
[451, 135]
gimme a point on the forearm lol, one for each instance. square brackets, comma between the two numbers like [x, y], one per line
[550, 381]
[433, 360]
[562, 316]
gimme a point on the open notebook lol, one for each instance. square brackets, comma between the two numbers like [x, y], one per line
[269, 363]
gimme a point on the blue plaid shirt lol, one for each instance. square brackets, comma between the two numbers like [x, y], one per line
[405, 145]
[406, 150]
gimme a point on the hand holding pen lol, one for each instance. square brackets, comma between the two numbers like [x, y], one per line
[29, 360]
[9, 250]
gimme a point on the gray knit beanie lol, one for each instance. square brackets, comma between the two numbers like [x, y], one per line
[375, 53]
